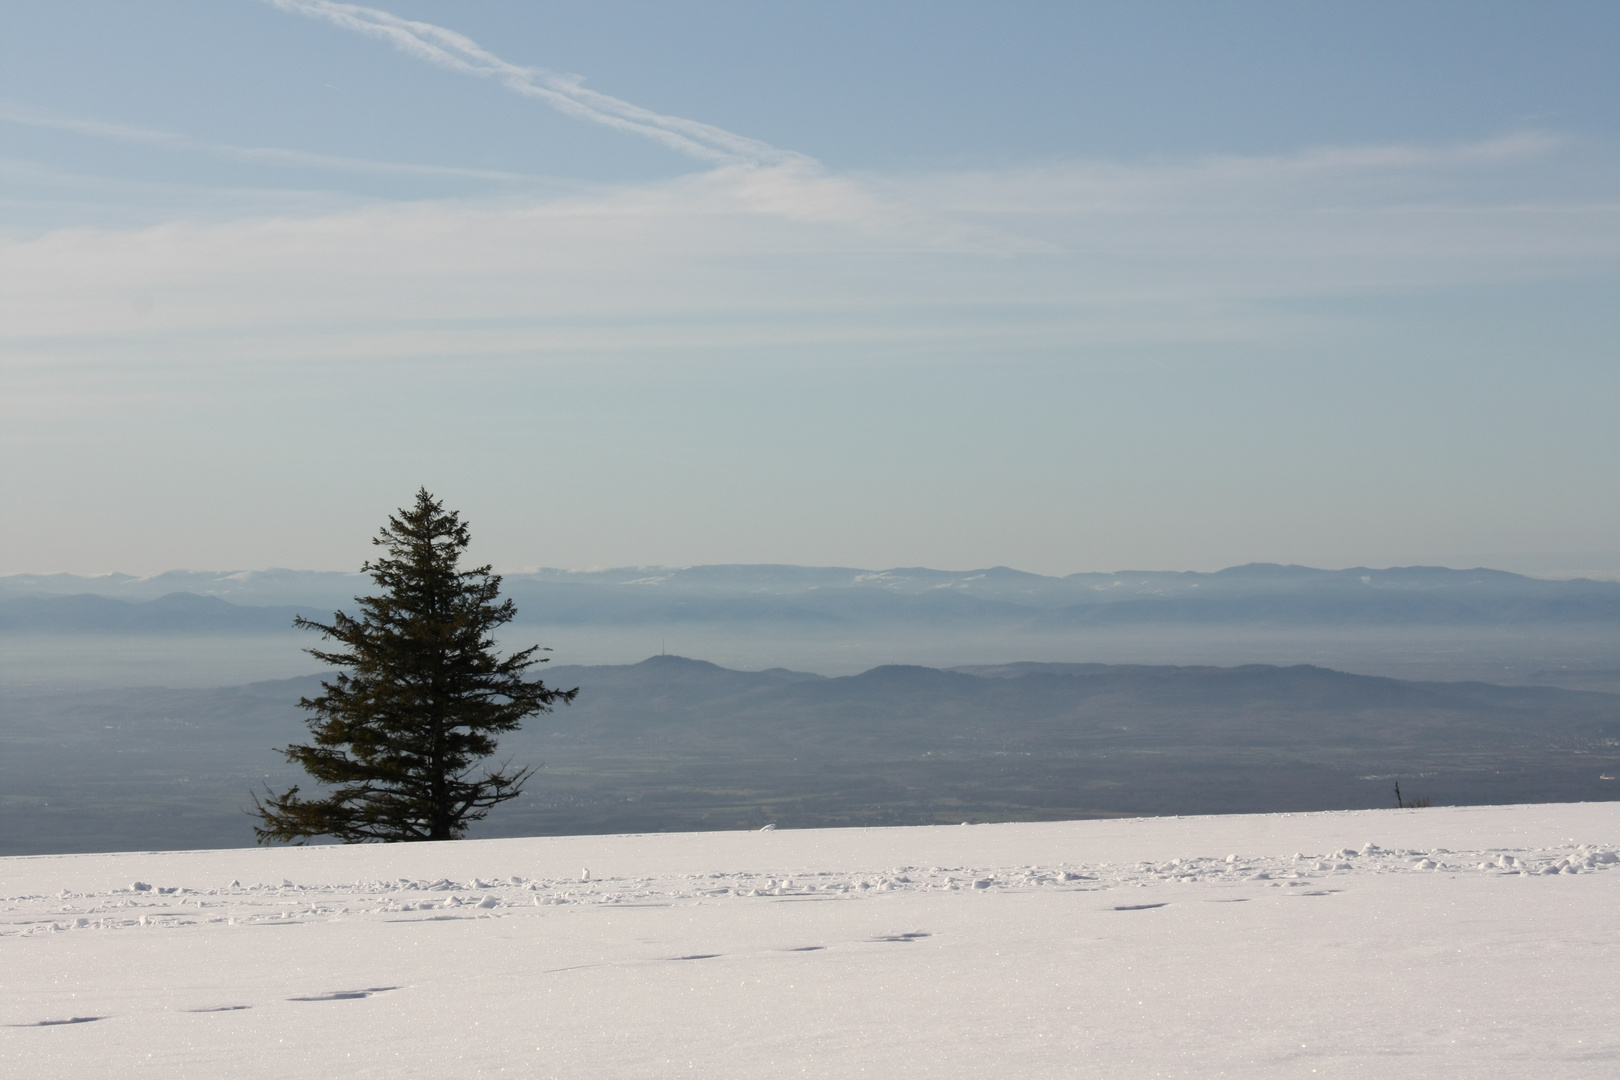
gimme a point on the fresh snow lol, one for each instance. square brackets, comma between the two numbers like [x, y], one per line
[1444, 942]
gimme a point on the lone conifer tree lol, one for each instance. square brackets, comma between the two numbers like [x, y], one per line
[398, 735]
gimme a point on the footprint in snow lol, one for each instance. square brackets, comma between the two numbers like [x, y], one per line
[1140, 907]
[913, 936]
[699, 956]
[59, 1023]
[346, 995]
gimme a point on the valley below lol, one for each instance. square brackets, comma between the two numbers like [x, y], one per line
[675, 744]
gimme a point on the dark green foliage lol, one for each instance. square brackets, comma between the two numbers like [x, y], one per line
[399, 735]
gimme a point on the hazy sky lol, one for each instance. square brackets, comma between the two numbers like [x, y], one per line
[1061, 286]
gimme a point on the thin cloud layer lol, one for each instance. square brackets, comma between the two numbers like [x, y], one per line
[755, 255]
[16, 113]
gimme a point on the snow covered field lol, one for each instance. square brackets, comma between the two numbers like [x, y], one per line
[1455, 942]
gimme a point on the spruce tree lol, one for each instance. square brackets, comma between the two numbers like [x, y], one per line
[399, 735]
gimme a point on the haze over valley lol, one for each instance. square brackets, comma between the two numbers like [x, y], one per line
[141, 712]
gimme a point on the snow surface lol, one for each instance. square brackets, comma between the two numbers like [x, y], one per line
[1445, 942]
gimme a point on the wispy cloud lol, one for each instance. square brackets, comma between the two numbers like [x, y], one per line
[741, 256]
[797, 189]
[563, 92]
[29, 116]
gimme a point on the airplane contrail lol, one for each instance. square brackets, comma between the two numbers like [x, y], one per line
[457, 52]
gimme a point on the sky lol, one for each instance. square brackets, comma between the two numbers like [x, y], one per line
[1060, 286]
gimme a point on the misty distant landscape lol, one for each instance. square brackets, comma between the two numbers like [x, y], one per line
[188, 629]
[997, 597]
[985, 696]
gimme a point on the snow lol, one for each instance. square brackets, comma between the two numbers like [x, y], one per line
[1441, 942]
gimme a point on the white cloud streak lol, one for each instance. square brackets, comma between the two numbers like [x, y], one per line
[565, 93]
[28, 116]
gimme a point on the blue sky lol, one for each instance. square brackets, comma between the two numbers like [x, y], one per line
[1058, 286]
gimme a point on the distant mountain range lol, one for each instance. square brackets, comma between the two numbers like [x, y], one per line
[1257, 594]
